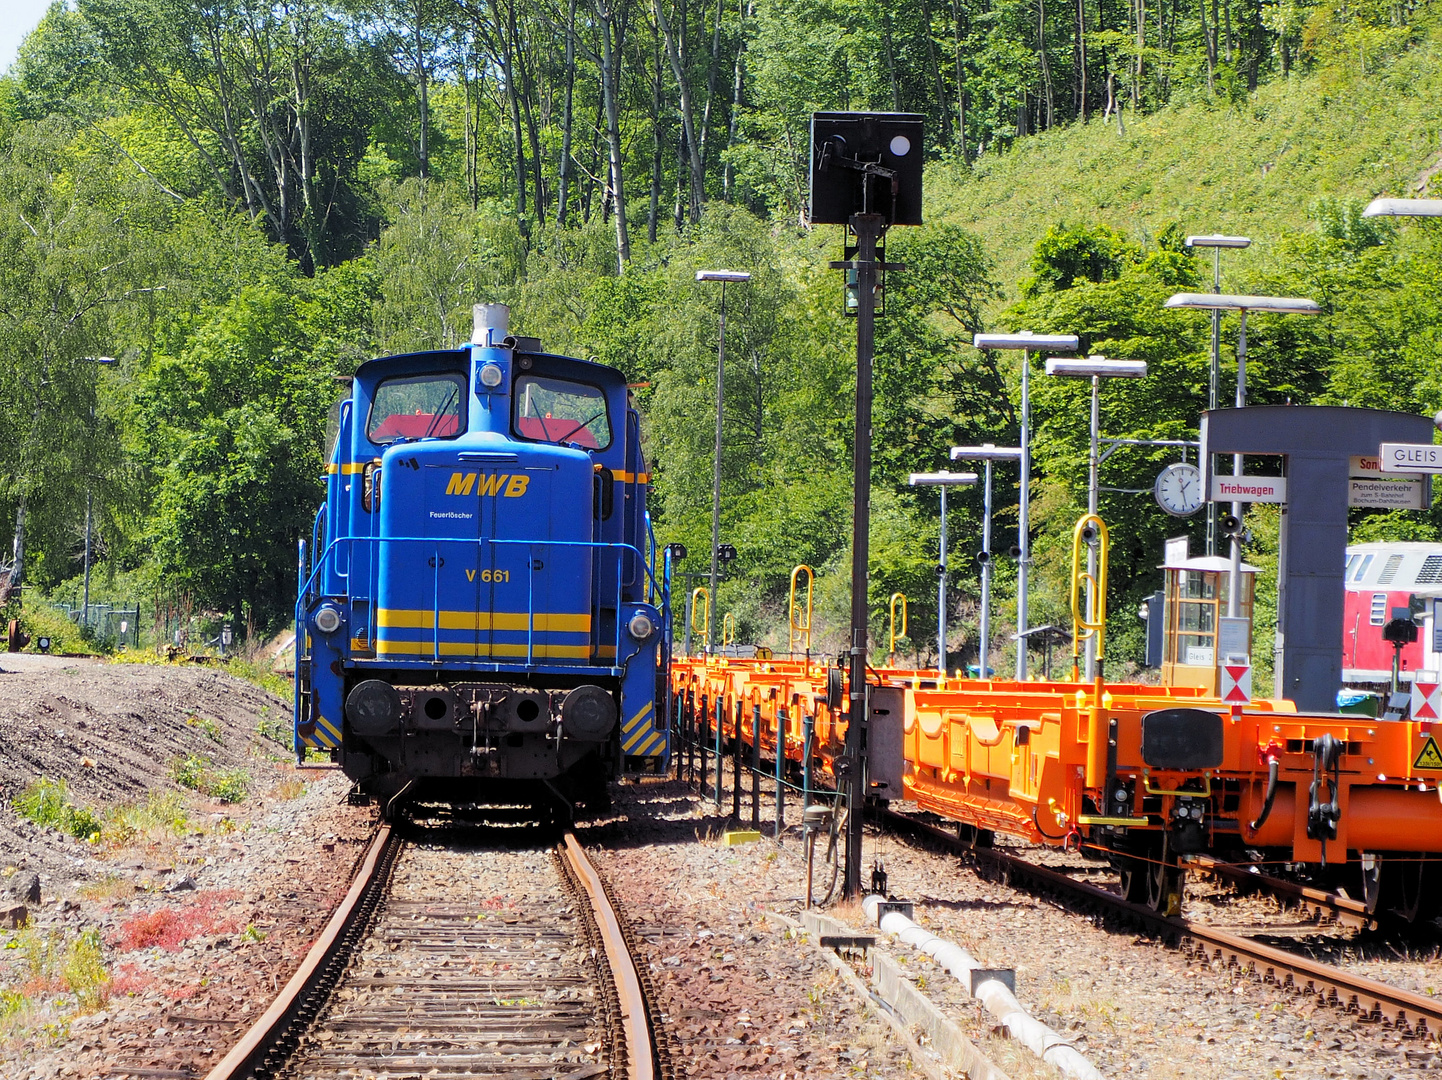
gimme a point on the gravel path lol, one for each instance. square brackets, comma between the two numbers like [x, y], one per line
[1133, 1007]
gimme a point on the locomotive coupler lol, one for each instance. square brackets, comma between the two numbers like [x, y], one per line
[1324, 813]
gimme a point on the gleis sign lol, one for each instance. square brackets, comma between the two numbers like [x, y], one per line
[1271, 489]
[1410, 457]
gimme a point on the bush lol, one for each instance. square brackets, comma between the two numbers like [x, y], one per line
[44, 802]
[200, 774]
[39, 619]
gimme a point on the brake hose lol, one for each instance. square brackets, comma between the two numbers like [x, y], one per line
[1273, 768]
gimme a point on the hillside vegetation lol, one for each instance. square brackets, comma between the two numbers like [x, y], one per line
[1255, 167]
[210, 213]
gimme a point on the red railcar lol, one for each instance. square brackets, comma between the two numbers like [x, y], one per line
[1379, 577]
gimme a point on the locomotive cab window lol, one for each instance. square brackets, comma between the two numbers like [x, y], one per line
[560, 411]
[417, 407]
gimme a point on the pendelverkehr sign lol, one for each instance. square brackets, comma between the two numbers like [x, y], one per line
[1410, 457]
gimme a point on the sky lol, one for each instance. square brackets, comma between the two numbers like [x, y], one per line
[17, 18]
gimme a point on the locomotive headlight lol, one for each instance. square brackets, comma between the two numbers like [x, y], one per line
[327, 619]
[641, 627]
[491, 375]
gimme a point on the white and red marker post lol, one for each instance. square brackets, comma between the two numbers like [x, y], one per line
[1426, 697]
[1236, 686]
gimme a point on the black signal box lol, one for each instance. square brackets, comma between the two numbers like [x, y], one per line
[866, 163]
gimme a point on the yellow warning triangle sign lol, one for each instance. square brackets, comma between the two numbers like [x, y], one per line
[1430, 757]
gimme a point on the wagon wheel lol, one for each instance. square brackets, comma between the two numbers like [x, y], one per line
[1153, 877]
[1165, 880]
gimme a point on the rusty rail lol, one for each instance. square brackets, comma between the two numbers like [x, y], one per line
[1323, 905]
[1413, 1014]
[635, 1020]
[265, 1044]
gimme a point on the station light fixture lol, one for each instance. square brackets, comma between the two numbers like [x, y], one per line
[1027, 342]
[1280, 305]
[1403, 208]
[1216, 241]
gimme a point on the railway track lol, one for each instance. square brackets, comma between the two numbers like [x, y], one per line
[1413, 1014]
[463, 955]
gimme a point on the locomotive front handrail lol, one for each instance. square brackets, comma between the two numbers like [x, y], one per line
[621, 551]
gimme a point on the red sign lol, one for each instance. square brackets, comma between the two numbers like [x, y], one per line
[1426, 699]
[1236, 684]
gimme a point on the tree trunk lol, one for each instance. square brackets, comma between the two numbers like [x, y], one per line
[711, 78]
[729, 174]
[1209, 36]
[564, 181]
[17, 574]
[528, 94]
[610, 93]
[688, 116]
[1227, 14]
[958, 33]
[1081, 53]
[935, 65]
[1045, 67]
[1141, 45]
[655, 206]
[890, 60]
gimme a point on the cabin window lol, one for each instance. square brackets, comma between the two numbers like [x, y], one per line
[417, 407]
[561, 411]
[1362, 570]
[1352, 561]
[1379, 608]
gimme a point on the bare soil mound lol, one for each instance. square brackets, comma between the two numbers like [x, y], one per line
[147, 949]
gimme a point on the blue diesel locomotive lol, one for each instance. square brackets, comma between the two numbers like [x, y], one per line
[483, 612]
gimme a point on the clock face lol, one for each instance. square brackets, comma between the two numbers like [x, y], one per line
[1179, 489]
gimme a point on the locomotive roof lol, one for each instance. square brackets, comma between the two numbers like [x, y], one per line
[421, 361]
[1397, 566]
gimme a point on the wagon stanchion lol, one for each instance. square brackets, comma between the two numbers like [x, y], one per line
[756, 766]
[736, 764]
[720, 763]
[808, 729]
[703, 734]
[781, 720]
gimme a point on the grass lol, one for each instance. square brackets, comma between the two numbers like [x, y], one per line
[200, 773]
[162, 813]
[46, 802]
[207, 727]
[1253, 169]
[55, 962]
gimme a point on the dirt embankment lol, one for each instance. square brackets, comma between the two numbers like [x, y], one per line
[150, 946]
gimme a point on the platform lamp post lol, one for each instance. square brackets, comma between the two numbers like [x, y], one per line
[1430, 208]
[1218, 302]
[989, 453]
[725, 277]
[1216, 243]
[1096, 368]
[1027, 342]
[942, 481]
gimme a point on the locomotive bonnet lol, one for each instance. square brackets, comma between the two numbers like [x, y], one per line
[481, 612]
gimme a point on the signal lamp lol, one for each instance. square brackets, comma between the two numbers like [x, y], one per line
[983, 557]
[640, 627]
[491, 375]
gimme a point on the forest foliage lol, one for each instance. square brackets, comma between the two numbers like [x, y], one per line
[209, 212]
